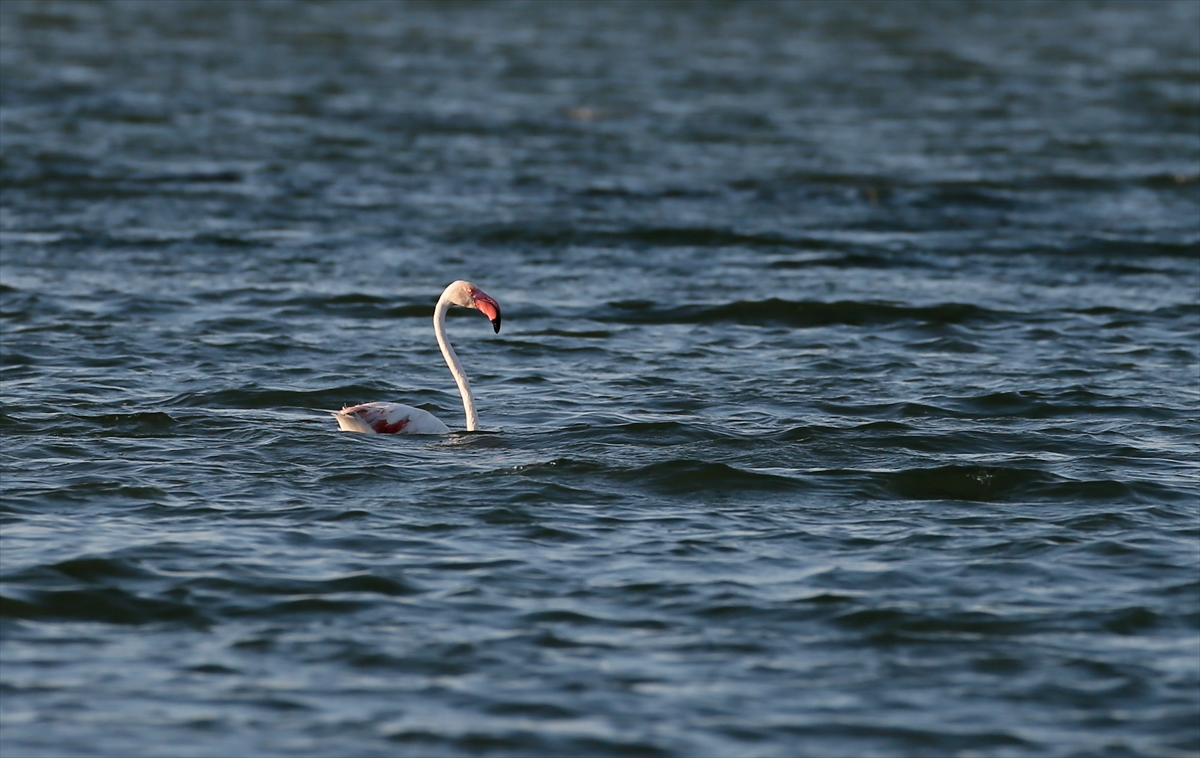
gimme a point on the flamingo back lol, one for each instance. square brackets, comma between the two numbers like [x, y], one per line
[388, 418]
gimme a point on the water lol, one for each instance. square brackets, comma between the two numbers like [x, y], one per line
[846, 400]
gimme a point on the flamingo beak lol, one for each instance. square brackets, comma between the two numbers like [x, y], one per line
[488, 306]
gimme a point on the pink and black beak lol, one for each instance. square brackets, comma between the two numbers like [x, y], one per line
[488, 306]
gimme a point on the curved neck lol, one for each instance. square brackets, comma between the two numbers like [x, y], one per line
[456, 369]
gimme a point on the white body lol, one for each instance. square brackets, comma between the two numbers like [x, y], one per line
[389, 418]
[396, 418]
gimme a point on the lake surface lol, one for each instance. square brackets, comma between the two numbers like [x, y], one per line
[847, 401]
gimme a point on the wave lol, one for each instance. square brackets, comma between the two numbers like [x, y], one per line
[1011, 483]
[108, 605]
[650, 236]
[899, 624]
[686, 476]
[872, 250]
[125, 589]
[598, 428]
[801, 314]
[676, 476]
[1070, 402]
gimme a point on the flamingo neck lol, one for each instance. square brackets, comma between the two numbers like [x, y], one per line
[456, 369]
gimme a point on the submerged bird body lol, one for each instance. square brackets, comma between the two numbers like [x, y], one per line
[389, 418]
[396, 418]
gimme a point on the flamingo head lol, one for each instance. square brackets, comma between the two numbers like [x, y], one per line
[468, 295]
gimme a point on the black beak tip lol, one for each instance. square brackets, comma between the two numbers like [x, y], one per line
[496, 323]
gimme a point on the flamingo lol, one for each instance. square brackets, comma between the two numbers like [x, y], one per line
[396, 418]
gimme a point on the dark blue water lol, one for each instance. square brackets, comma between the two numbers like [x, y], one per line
[847, 401]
